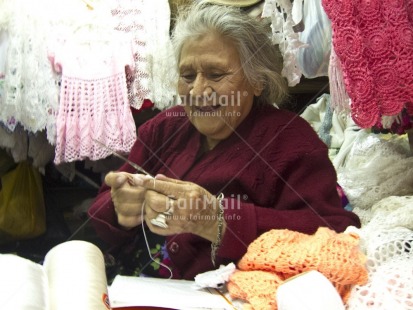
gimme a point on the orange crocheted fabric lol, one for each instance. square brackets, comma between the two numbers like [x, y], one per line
[258, 287]
[280, 254]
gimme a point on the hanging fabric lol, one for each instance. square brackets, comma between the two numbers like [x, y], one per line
[313, 59]
[280, 12]
[374, 42]
[93, 98]
[33, 86]
[155, 73]
[29, 90]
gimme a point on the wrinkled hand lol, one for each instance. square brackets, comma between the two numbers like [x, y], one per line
[127, 198]
[194, 209]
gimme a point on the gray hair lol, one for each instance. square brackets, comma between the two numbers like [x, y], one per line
[260, 59]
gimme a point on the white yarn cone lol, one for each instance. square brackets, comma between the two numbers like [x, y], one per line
[23, 284]
[76, 275]
[308, 291]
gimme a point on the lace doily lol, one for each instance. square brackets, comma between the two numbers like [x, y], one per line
[374, 42]
[377, 166]
[387, 240]
[390, 278]
[390, 213]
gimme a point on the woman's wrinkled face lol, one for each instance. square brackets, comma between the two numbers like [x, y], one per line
[215, 93]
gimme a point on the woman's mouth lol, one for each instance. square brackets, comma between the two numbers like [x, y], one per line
[207, 108]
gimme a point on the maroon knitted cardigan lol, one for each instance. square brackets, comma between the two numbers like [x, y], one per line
[273, 170]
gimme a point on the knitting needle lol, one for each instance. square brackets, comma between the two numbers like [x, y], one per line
[160, 219]
[137, 167]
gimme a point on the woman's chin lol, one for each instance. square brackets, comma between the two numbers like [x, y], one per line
[211, 127]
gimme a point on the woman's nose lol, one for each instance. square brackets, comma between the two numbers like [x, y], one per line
[198, 86]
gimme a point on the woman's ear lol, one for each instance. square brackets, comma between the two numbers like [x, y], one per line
[258, 88]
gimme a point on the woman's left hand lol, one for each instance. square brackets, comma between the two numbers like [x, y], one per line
[191, 208]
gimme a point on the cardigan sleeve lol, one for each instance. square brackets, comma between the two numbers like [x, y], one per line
[308, 200]
[104, 220]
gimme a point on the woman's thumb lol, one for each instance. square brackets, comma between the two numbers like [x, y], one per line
[115, 179]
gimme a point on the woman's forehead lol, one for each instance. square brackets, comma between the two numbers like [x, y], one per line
[208, 50]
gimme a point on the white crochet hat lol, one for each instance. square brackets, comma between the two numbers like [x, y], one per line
[239, 3]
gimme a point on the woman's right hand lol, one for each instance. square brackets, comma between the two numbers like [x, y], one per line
[127, 198]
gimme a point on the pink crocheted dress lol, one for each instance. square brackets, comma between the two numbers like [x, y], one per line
[93, 97]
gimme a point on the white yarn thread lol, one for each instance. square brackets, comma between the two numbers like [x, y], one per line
[77, 276]
[310, 291]
[147, 245]
[23, 284]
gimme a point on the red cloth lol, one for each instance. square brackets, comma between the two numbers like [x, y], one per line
[274, 172]
[145, 105]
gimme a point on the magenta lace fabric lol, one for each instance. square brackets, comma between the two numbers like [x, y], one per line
[373, 40]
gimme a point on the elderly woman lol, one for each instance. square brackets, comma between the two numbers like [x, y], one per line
[228, 164]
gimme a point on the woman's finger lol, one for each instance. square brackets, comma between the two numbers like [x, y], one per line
[129, 222]
[115, 179]
[165, 178]
[167, 187]
[158, 202]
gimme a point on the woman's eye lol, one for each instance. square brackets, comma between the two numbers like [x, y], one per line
[216, 76]
[188, 77]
